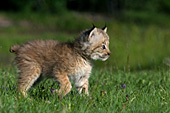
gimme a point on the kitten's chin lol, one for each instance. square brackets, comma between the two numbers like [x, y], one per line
[99, 58]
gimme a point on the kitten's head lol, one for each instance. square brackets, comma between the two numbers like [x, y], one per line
[94, 43]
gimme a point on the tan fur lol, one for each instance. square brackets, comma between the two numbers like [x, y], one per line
[63, 62]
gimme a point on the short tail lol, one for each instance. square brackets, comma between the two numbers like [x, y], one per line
[14, 48]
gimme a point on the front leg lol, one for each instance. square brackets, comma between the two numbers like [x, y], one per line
[84, 87]
[65, 85]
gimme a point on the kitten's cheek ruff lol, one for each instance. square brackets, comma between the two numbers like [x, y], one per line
[94, 57]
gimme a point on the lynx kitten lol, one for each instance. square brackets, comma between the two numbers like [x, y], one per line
[63, 62]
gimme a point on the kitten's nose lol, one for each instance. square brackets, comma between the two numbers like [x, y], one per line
[108, 53]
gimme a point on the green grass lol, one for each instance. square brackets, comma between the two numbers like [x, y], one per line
[146, 91]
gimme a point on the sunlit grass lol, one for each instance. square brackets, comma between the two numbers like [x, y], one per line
[146, 91]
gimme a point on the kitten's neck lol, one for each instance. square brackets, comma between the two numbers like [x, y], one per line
[77, 46]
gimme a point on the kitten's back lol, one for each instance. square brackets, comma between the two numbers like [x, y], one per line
[35, 51]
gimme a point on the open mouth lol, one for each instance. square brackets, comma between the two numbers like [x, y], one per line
[103, 58]
[100, 57]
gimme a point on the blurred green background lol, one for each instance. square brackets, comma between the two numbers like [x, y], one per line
[139, 30]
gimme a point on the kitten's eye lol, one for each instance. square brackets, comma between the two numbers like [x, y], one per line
[103, 47]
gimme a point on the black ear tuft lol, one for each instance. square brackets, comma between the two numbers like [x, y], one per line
[104, 27]
[93, 27]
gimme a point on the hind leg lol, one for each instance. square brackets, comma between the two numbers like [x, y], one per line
[27, 76]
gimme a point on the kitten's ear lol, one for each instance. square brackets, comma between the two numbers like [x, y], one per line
[93, 32]
[104, 28]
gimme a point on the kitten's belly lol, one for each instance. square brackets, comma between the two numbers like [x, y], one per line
[81, 72]
[77, 75]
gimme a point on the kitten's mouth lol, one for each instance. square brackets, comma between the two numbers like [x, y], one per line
[100, 57]
[104, 57]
